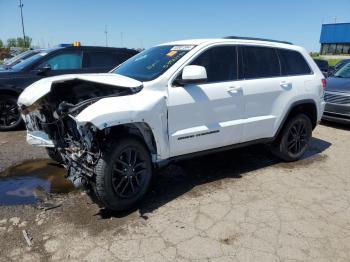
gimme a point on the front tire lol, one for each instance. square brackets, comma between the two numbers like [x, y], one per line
[123, 174]
[292, 143]
[54, 155]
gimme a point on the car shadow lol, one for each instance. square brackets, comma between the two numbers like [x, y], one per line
[182, 177]
[336, 125]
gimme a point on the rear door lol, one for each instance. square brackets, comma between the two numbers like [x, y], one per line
[100, 61]
[208, 115]
[265, 91]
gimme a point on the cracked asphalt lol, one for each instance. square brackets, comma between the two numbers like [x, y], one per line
[241, 205]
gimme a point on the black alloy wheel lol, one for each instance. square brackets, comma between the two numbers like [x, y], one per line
[294, 138]
[10, 117]
[128, 173]
[297, 137]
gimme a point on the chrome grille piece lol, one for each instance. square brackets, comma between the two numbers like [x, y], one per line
[337, 98]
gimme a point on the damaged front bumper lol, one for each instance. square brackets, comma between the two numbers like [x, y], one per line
[39, 139]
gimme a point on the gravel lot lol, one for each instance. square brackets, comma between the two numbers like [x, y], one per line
[241, 205]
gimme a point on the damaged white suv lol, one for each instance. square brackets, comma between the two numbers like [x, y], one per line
[173, 101]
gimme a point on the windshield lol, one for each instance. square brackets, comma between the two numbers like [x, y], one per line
[344, 71]
[28, 61]
[19, 58]
[153, 62]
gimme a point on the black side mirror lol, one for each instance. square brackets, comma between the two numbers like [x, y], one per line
[43, 69]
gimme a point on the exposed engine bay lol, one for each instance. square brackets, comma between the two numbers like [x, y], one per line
[54, 114]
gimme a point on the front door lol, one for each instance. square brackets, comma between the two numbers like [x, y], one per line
[208, 115]
[63, 63]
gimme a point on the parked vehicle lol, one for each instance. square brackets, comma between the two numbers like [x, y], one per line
[337, 96]
[19, 58]
[340, 64]
[52, 62]
[323, 66]
[174, 101]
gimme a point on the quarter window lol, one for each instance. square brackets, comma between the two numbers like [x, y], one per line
[293, 63]
[260, 62]
[220, 63]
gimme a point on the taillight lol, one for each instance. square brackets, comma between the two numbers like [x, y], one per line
[324, 83]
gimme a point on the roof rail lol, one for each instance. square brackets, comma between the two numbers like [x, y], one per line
[257, 39]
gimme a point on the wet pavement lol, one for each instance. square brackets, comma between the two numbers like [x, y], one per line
[31, 181]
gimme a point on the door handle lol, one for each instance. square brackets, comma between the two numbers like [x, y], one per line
[286, 84]
[234, 89]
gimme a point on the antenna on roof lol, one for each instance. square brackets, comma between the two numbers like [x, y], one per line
[106, 32]
[257, 39]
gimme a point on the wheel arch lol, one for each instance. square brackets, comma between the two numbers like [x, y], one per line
[306, 106]
[139, 130]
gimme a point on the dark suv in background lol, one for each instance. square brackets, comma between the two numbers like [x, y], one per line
[324, 67]
[64, 59]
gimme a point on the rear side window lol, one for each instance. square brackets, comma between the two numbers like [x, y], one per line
[220, 63]
[260, 62]
[101, 59]
[293, 63]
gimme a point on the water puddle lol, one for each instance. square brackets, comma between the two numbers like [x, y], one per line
[32, 180]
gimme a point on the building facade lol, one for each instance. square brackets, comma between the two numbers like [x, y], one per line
[335, 39]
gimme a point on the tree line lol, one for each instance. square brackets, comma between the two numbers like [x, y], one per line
[17, 42]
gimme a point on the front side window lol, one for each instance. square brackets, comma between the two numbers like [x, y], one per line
[293, 63]
[67, 61]
[260, 62]
[220, 63]
[150, 64]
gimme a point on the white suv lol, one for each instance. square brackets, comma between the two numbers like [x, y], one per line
[170, 102]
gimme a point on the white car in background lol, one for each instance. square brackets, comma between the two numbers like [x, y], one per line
[174, 101]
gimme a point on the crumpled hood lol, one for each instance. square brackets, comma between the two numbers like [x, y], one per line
[42, 87]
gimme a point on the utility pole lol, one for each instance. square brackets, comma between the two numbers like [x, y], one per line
[24, 35]
[106, 32]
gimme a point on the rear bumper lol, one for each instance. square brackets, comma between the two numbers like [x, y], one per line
[320, 112]
[39, 139]
[337, 113]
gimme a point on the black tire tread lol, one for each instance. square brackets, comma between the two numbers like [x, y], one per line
[54, 155]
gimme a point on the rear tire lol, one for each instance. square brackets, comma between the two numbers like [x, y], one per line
[123, 174]
[10, 118]
[293, 140]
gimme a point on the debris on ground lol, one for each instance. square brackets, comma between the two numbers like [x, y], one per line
[27, 238]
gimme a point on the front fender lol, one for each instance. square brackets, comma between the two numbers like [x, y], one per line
[149, 107]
